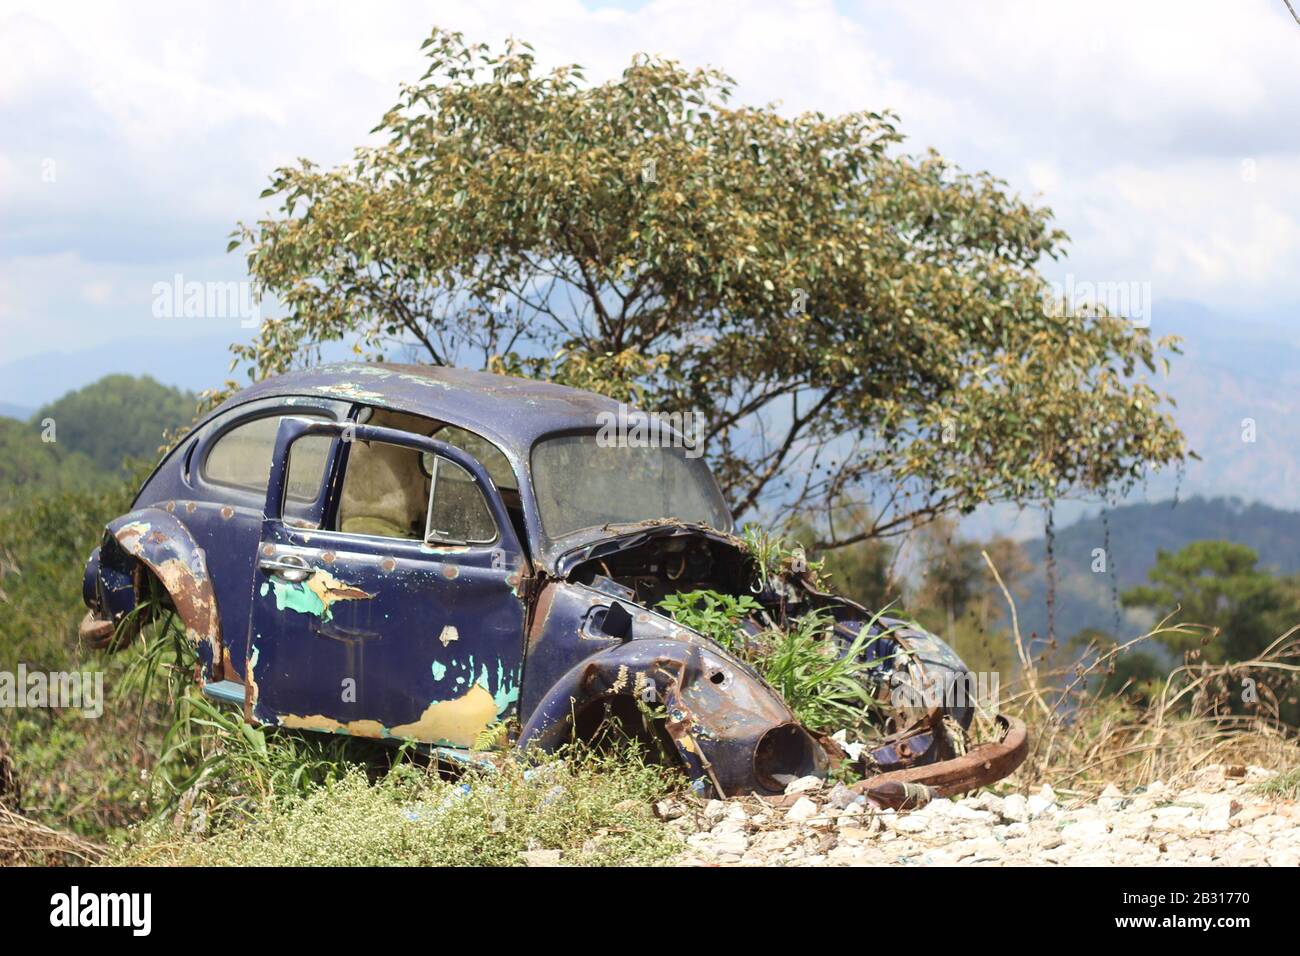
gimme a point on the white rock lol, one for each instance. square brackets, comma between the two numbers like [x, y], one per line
[669, 809]
[1015, 808]
[540, 857]
[1111, 799]
[841, 796]
[1085, 831]
[1039, 805]
[1218, 815]
[807, 784]
[714, 812]
[803, 809]
[912, 823]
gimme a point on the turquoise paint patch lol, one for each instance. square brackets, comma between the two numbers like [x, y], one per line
[439, 670]
[507, 690]
[296, 596]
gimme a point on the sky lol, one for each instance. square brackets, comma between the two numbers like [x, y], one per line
[1165, 136]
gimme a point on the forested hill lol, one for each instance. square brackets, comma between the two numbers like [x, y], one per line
[1084, 597]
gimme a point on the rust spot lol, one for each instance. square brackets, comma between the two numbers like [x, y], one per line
[268, 549]
[227, 512]
[450, 572]
[171, 506]
[388, 564]
[191, 507]
[328, 557]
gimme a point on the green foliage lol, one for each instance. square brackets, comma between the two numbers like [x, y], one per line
[827, 686]
[29, 464]
[119, 417]
[717, 616]
[1285, 785]
[595, 808]
[645, 238]
[1218, 584]
[86, 774]
[774, 555]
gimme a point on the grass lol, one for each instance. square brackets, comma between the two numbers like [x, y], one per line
[596, 809]
[1082, 739]
[826, 686]
[1286, 785]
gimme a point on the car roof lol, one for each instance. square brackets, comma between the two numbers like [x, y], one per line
[512, 412]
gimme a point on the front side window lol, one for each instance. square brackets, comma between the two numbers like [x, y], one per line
[241, 458]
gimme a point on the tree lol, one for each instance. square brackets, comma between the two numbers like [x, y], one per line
[851, 322]
[957, 596]
[118, 417]
[1217, 583]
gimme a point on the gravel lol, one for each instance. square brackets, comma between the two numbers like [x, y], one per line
[1217, 820]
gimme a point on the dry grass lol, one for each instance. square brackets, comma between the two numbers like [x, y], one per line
[1081, 739]
[24, 842]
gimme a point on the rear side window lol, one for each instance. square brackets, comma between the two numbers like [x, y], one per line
[458, 511]
[488, 454]
[241, 458]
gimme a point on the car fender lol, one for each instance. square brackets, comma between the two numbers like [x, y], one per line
[156, 540]
[733, 732]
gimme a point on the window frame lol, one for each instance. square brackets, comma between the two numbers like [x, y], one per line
[331, 524]
[213, 442]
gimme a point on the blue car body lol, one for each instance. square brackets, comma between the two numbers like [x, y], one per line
[357, 624]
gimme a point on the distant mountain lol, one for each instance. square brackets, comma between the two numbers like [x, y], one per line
[118, 417]
[20, 412]
[1130, 536]
[188, 364]
[1236, 387]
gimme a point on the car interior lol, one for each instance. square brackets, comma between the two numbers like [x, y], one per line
[386, 487]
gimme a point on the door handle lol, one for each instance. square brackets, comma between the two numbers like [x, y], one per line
[288, 566]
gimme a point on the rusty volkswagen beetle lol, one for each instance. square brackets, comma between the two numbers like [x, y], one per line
[425, 554]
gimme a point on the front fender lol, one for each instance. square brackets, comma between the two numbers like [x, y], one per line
[733, 732]
[158, 541]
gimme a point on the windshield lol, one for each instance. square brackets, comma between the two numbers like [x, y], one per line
[583, 484]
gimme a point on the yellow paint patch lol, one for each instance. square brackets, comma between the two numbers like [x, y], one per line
[330, 589]
[457, 722]
[357, 728]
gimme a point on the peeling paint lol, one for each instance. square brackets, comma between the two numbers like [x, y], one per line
[315, 595]
[457, 722]
[355, 728]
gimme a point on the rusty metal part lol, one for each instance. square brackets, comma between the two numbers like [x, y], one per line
[981, 765]
[94, 632]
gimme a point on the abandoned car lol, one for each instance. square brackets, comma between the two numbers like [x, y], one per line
[434, 555]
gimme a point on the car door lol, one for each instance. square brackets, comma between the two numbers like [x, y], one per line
[376, 630]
